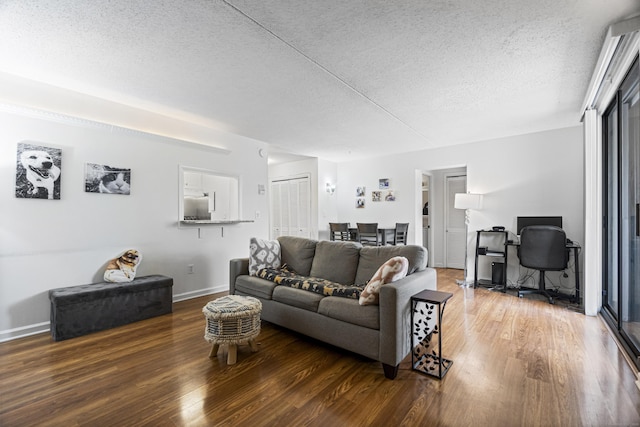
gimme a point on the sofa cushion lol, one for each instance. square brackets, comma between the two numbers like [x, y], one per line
[263, 254]
[297, 253]
[349, 311]
[336, 261]
[392, 270]
[297, 298]
[254, 286]
[372, 257]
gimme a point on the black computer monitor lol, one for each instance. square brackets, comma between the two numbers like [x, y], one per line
[524, 221]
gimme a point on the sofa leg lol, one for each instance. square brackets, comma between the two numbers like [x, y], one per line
[390, 371]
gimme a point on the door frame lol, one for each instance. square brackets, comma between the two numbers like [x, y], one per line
[418, 236]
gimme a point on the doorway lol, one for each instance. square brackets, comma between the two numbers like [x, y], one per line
[445, 234]
[426, 235]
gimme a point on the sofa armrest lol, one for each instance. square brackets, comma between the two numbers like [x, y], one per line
[395, 314]
[237, 267]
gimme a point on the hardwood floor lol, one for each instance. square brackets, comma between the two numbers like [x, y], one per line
[516, 362]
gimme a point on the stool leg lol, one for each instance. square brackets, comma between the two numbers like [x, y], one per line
[233, 354]
[214, 350]
[253, 345]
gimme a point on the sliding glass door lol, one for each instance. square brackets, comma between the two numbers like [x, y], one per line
[621, 299]
[630, 197]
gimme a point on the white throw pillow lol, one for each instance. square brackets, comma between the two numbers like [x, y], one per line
[263, 254]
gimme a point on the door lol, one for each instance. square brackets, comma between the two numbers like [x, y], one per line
[455, 230]
[621, 239]
[629, 132]
[290, 207]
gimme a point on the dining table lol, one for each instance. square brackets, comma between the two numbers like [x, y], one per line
[386, 234]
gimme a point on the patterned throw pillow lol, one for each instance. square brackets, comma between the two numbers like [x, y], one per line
[392, 270]
[263, 254]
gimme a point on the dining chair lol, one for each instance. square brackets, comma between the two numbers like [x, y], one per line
[368, 234]
[400, 234]
[339, 230]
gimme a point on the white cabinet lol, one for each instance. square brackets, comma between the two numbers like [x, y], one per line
[193, 184]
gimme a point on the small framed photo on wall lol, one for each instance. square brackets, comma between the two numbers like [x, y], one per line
[376, 196]
[383, 183]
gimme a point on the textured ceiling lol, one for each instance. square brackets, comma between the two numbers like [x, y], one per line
[334, 79]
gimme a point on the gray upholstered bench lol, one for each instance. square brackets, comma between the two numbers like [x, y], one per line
[80, 310]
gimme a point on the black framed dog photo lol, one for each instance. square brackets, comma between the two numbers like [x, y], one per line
[38, 170]
[107, 179]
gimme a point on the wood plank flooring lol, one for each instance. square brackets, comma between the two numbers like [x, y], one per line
[517, 362]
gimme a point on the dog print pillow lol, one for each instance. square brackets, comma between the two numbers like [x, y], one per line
[123, 269]
[394, 269]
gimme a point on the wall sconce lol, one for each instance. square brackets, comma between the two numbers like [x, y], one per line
[330, 188]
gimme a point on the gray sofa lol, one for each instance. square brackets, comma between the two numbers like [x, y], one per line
[379, 332]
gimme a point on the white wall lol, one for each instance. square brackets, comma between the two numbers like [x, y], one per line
[527, 175]
[46, 244]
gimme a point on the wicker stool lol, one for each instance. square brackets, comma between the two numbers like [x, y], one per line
[232, 320]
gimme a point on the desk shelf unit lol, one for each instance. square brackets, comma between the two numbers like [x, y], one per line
[498, 251]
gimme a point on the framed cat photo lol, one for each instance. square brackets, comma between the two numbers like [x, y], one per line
[107, 179]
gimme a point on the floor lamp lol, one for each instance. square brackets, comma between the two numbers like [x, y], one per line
[466, 201]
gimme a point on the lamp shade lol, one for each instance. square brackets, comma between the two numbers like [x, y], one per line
[468, 201]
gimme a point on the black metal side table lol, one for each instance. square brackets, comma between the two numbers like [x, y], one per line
[427, 308]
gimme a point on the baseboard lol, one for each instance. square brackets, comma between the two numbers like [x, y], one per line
[199, 293]
[38, 328]
[24, 331]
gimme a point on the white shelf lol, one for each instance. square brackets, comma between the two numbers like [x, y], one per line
[213, 222]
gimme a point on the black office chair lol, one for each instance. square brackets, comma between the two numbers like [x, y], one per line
[400, 234]
[368, 234]
[339, 230]
[543, 248]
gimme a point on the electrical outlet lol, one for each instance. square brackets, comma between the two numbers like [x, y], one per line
[190, 269]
